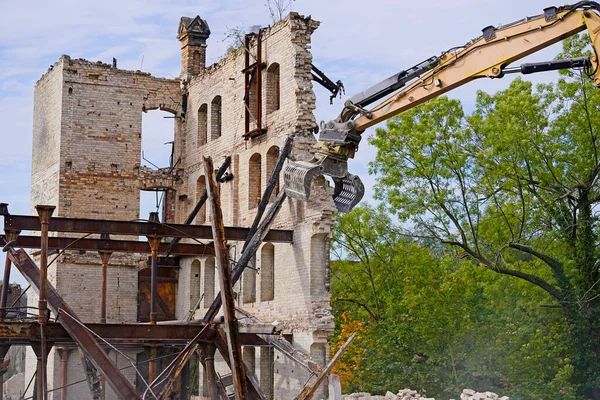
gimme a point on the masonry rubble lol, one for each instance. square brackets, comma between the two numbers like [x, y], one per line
[408, 394]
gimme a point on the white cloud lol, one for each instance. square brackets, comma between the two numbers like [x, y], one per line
[358, 42]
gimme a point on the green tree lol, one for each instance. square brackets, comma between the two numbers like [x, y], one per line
[437, 323]
[512, 187]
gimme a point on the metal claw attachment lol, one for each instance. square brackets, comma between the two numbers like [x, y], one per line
[348, 192]
[298, 177]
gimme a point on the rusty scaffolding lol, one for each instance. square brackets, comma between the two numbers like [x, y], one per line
[202, 337]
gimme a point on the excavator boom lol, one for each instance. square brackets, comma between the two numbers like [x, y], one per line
[487, 56]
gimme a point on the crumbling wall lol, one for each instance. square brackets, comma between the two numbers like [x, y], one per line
[87, 150]
[47, 119]
[289, 282]
[86, 162]
[101, 136]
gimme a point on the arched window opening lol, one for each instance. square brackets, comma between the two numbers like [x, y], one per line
[272, 156]
[215, 118]
[195, 288]
[267, 272]
[319, 262]
[254, 181]
[249, 357]
[202, 124]
[209, 281]
[200, 188]
[273, 88]
[249, 282]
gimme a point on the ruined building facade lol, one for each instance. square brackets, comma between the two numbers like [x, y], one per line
[87, 163]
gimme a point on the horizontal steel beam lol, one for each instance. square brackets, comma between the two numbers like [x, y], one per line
[117, 246]
[97, 226]
[27, 333]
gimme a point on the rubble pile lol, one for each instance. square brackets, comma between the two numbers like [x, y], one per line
[408, 394]
[469, 394]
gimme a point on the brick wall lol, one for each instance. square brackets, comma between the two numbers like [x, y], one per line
[86, 162]
[291, 285]
[87, 149]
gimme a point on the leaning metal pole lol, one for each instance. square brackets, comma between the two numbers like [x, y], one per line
[248, 253]
[224, 268]
[271, 184]
[10, 236]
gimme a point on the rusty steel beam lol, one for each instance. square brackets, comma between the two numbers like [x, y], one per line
[246, 85]
[11, 235]
[32, 274]
[45, 213]
[224, 268]
[24, 333]
[309, 390]
[98, 226]
[109, 245]
[122, 387]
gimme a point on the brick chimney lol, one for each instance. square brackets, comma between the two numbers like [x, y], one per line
[192, 34]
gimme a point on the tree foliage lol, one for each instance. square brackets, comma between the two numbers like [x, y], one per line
[426, 319]
[501, 206]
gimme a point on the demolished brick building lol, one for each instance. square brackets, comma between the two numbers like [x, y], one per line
[87, 163]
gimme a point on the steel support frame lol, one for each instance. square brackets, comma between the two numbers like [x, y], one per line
[28, 333]
[108, 245]
[72, 325]
[11, 235]
[114, 227]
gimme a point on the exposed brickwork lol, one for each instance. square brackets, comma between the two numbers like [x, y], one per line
[87, 150]
[192, 34]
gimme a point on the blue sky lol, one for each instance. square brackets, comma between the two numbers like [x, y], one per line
[358, 42]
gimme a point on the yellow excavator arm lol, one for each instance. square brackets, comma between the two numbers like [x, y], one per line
[487, 56]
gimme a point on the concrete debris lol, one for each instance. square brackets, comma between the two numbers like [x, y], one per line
[408, 394]
[469, 394]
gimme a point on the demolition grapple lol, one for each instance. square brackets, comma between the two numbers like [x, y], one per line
[298, 176]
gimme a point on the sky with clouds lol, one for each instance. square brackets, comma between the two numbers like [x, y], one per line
[358, 42]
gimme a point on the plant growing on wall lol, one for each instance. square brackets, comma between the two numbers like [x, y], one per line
[278, 8]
